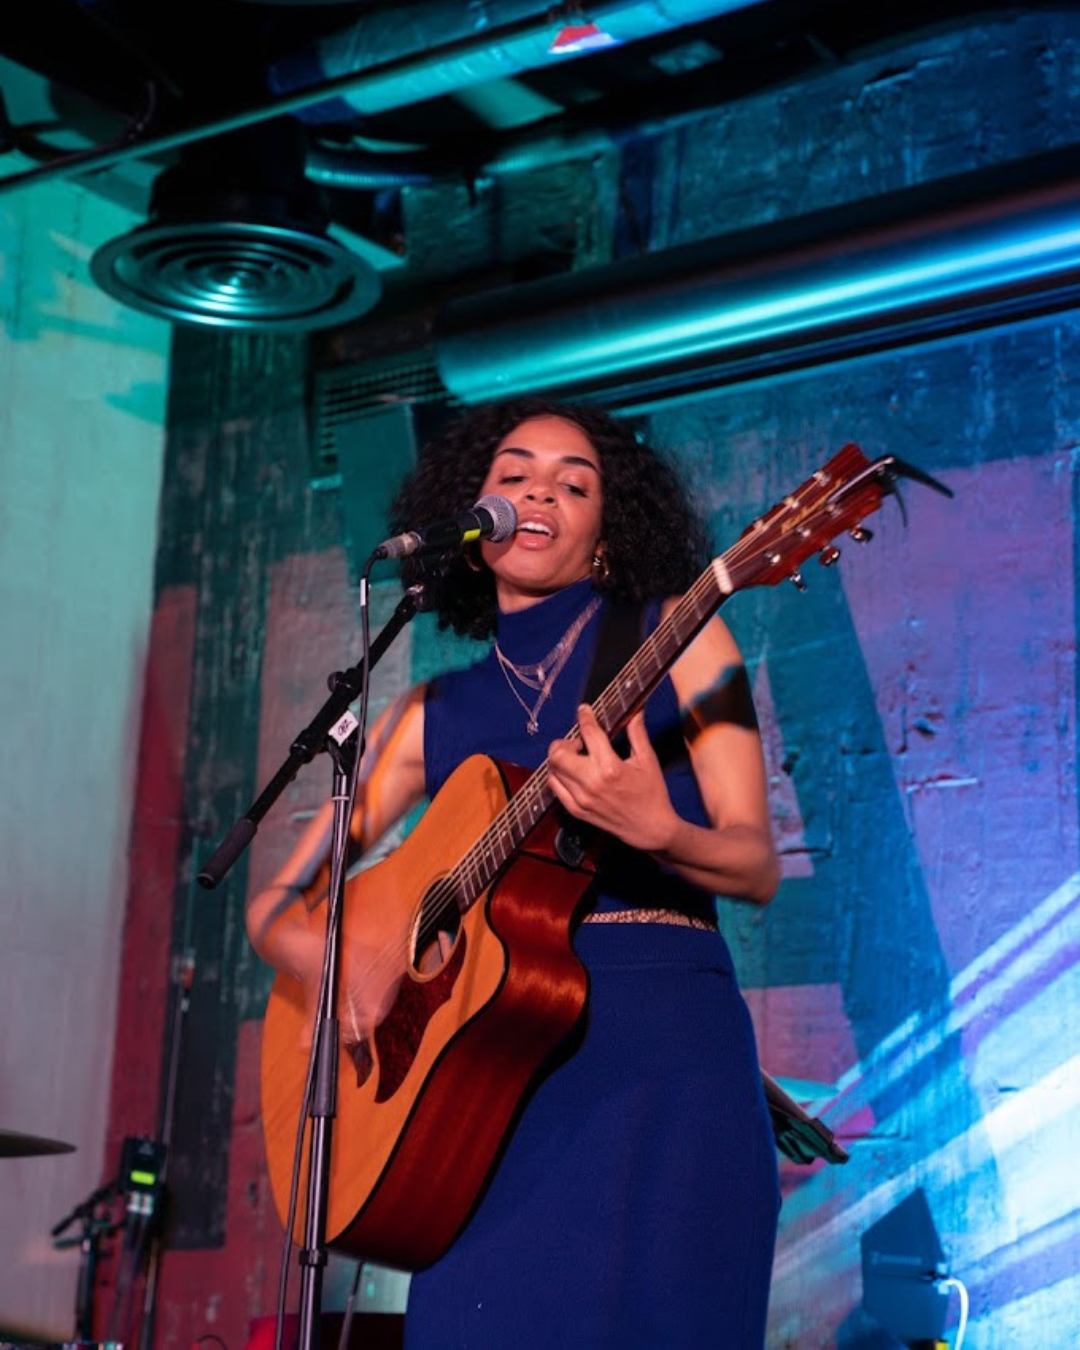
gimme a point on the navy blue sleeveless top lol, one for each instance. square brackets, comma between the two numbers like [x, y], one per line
[474, 711]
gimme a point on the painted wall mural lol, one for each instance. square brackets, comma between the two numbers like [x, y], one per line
[917, 973]
[921, 714]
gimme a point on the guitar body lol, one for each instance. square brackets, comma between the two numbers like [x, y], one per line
[425, 1104]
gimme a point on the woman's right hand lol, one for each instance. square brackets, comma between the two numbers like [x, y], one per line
[372, 964]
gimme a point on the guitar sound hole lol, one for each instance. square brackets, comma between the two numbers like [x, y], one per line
[434, 937]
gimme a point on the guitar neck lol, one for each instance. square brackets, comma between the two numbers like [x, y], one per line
[622, 698]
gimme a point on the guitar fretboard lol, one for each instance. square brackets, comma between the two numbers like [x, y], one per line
[616, 705]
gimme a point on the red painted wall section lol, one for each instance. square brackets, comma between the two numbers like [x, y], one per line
[154, 851]
[155, 846]
[311, 630]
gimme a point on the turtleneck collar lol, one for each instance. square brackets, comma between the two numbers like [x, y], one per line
[528, 634]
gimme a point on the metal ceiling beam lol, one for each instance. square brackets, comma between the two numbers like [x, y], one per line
[401, 70]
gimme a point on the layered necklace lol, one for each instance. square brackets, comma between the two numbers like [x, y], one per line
[544, 673]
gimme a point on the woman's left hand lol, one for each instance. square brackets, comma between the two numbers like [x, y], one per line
[626, 797]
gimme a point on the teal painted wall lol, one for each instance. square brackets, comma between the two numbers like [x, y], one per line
[82, 407]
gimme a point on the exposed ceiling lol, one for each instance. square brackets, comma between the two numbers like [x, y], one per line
[271, 147]
[440, 90]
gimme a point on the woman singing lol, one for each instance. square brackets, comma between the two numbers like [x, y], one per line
[636, 1201]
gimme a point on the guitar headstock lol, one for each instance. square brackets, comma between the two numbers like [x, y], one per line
[838, 497]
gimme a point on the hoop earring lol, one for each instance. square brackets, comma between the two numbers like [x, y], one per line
[473, 561]
[601, 568]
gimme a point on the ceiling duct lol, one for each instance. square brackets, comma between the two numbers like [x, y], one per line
[922, 262]
[237, 238]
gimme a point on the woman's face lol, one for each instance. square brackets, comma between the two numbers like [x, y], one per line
[548, 469]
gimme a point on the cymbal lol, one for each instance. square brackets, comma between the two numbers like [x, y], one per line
[13, 1145]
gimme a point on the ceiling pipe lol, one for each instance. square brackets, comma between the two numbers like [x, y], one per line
[553, 141]
[398, 71]
[834, 283]
[425, 32]
[369, 170]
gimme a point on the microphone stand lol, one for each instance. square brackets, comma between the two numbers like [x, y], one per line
[326, 1049]
[333, 729]
[345, 686]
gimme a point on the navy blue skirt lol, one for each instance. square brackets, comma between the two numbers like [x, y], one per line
[637, 1201]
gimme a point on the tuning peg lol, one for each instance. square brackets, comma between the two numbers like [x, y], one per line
[797, 581]
[861, 534]
[828, 555]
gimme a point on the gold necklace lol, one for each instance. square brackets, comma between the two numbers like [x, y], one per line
[543, 674]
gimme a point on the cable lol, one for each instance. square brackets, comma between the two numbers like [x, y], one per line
[121, 1314]
[350, 1308]
[953, 1283]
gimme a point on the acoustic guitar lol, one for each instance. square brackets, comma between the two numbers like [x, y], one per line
[426, 1101]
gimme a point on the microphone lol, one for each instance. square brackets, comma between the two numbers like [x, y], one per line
[491, 518]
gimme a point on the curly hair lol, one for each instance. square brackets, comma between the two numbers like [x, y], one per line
[656, 543]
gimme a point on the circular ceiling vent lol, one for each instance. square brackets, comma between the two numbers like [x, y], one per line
[236, 274]
[238, 239]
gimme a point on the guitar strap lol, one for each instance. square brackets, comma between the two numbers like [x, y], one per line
[616, 642]
[619, 638]
[622, 631]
